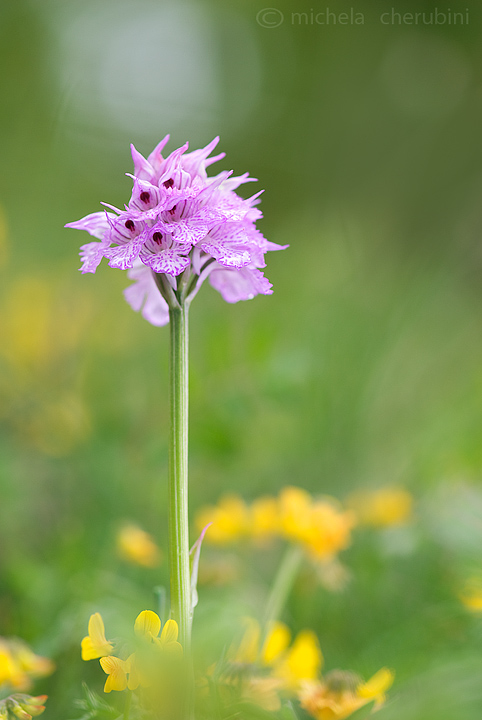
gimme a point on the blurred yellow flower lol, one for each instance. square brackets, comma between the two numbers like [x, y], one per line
[289, 664]
[242, 674]
[95, 645]
[329, 530]
[262, 691]
[137, 546]
[294, 511]
[276, 643]
[376, 687]
[264, 518]
[42, 324]
[19, 665]
[229, 518]
[339, 694]
[387, 507]
[249, 650]
[301, 662]
[319, 526]
[471, 595]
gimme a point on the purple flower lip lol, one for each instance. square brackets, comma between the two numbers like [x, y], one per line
[182, 225]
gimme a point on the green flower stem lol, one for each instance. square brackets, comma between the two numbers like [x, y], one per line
[127, 705]
[178, 475]
[282, 585]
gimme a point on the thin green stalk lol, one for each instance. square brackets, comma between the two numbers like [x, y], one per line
[178, 476]
[282, 586]
[127, 705]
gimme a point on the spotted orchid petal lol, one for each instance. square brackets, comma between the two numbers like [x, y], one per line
[96, 224]
[243, 284]
[163, 255]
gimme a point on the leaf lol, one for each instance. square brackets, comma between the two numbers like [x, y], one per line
[195, 554]
[94, 706]
[288, 712]
[247, 710]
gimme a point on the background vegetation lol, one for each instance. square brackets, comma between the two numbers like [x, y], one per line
[364, 369]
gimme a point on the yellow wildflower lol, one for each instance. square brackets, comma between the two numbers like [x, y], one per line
[116, 670]
[229, 518]
[137, 546]
[319, 526]
[95, 645]
[148, 625]
[22, 707]
[340, 694]
[387, 507]
[141, 667]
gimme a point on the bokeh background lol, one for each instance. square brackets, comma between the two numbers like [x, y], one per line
[364, 369]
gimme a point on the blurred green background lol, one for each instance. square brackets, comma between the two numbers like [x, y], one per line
[363, 369]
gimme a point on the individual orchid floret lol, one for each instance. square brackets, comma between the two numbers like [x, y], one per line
[179, 228]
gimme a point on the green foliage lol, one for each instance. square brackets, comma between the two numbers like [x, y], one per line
[362, 370]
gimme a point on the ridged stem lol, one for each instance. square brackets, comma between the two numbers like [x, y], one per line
[178, 476]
